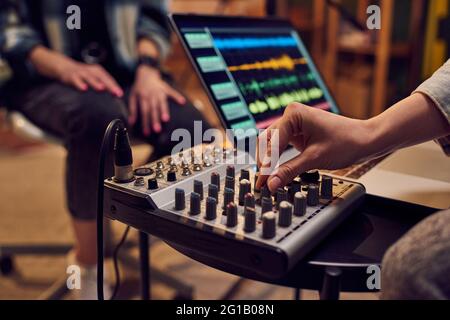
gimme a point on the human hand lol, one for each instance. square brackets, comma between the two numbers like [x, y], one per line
[150, 93]
[82, 76]
[325, 140]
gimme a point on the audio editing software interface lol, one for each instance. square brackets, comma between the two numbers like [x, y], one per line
[254, 73]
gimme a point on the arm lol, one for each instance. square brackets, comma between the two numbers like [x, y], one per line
[329, 141]
[150, 93]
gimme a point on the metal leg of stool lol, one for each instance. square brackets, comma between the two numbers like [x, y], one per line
[297, 294]
[331, 284]
[145, 265]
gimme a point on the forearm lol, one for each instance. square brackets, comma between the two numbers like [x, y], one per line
[47, 62]
[411, 121]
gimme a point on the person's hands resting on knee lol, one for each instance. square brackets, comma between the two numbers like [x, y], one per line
[330, 141]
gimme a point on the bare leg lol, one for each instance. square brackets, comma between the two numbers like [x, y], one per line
[86, 239]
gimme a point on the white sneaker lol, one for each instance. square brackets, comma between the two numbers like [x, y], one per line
[87, 289]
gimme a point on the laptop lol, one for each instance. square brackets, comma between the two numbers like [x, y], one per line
[252, 68]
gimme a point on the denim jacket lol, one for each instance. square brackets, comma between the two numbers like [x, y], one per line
[127, 21]
[437, 88]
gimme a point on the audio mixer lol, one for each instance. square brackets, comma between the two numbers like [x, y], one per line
[204, 199]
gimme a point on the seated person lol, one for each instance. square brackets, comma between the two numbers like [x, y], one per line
[418, 265]
[72, 83]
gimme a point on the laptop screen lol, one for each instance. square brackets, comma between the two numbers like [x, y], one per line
[251, 68]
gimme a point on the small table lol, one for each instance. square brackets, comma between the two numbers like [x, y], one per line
[340, 262]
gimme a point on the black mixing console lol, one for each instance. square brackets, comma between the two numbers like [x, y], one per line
[204, 199]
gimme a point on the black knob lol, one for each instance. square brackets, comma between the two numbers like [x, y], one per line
[326, 187]
[254, 183]
[265, 192]
[268, 225]
[311, 176]
[249, 200]
[171, 176]
[152, 184]
[281, 196]
[285, 215]
[266, 205]
[198, 188]
[244, 188]
[245, 174]
[232, 217]
[213, 191]
[295, 187]
[215, 179]
[299, 204]
[195, 204]
[211, 208]
[249, 219]
[229, 182]
[230, 171]
[228, 196]
[312, 197]
[179, 199]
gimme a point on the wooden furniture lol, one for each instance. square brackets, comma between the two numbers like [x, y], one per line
[382, 50]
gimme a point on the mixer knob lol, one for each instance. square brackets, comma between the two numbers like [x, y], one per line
[141, 172]
[312, 197]
[295, 187]
[173, 167]
[266, 205]
[197, 167]
[211, 208]
[170, 161]
[254, 183]
[244, 188]
[245, 174]
[249, 200]
[207, 163]
[326, 187]
[139, 182]
[228, 196]
[159, 165]
[226, 153]
[215, 179]
[232, 217]
[171, 176]
[152, 184]
[198, 188]
[249, 219]
[186, 172]
[195, 204]
[265, 192]
[299, 204]
[184, 163]
[281, 196]
[268, 225]
[230, 171]
[213, 191]
[159, 174]
[229, 182]
[179, 199]
[285, 215]
[311, 176]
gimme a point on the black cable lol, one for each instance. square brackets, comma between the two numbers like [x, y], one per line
[116, 262]
[104, 151]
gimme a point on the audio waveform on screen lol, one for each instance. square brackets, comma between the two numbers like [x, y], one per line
[251, 43]
[258, 87]
[276, 102]
[282, 62]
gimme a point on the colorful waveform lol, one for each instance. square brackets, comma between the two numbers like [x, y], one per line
[282, 62]
[276, 102]
[258, 87]
[249, 43]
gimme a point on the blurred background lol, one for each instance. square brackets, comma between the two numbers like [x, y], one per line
[365, 70]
